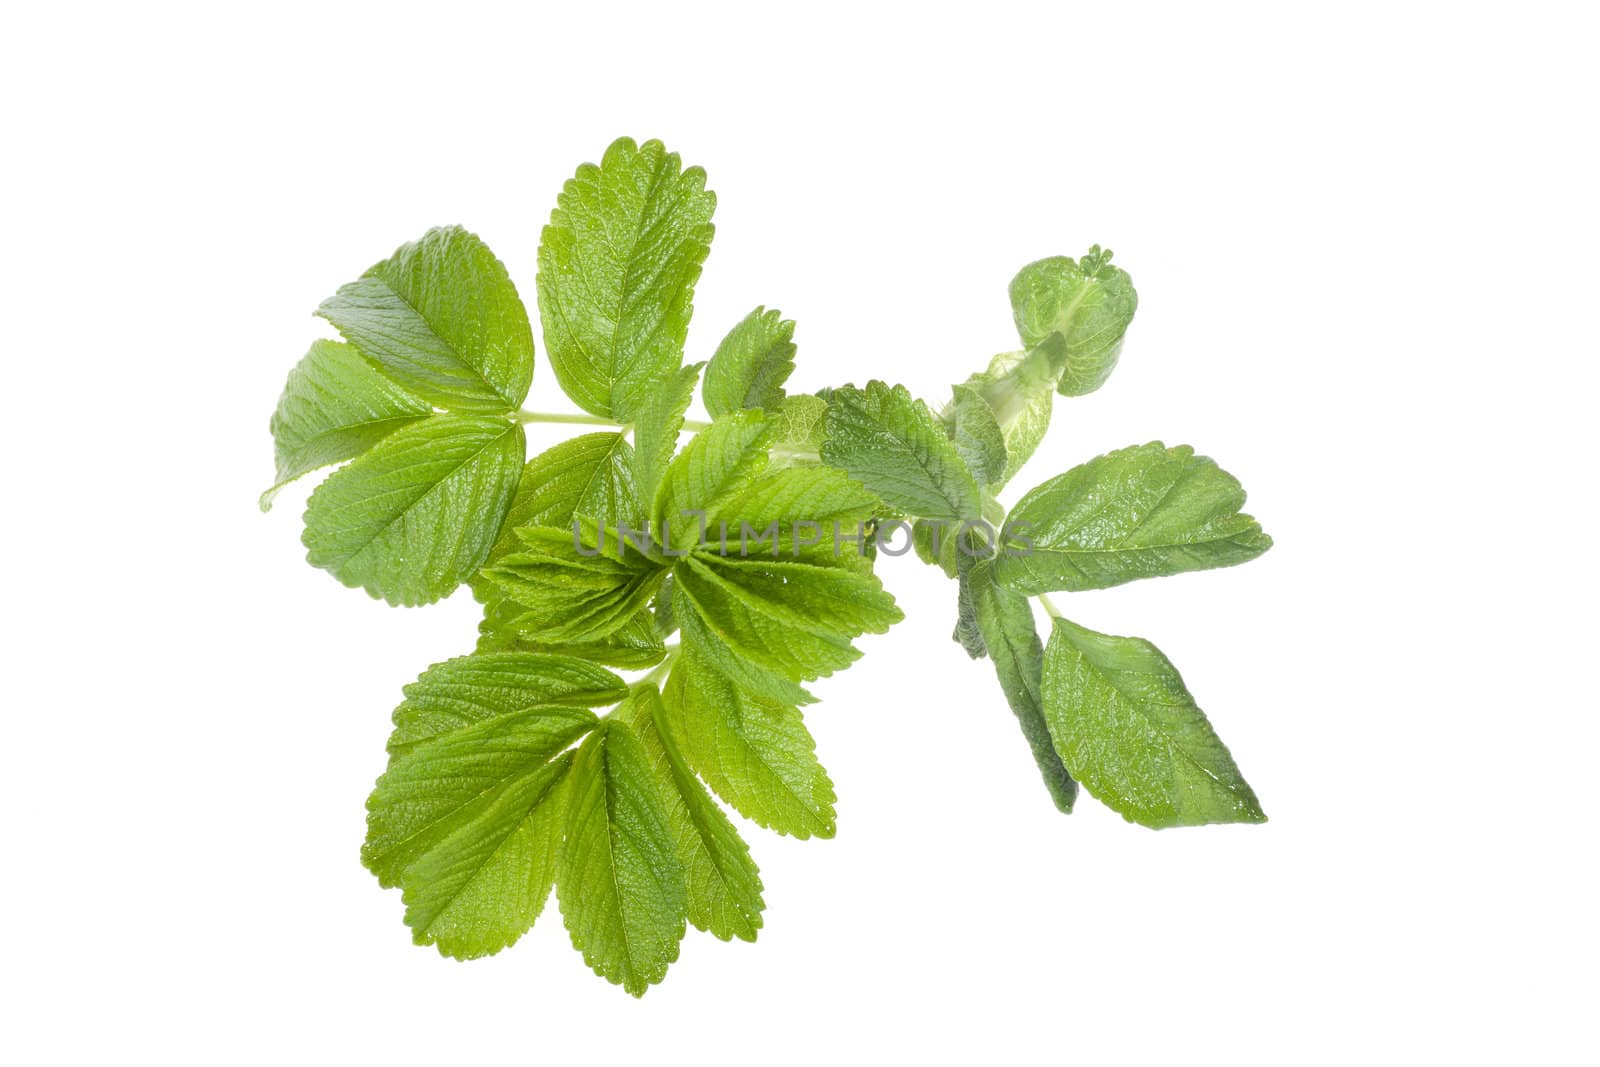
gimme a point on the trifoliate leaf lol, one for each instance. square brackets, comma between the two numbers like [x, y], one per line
[976, 434]
[715, 465]
[581, 597]
[481, 887]
[1139, 512]
[751, 364]
[1126, 727]
[508, 626]
[1006, 624]
[453, 780]
[442, 319]
[755, 753]
[656, 427]
[1077, 311]
[617, 268]
[467, 690]
[892, 444]
[724, 886]
[414, 516]
[619, 879]
[334, 407]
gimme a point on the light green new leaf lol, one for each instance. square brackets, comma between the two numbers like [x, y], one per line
[467, 690]
[442, 319]
[892, 444]
[481, 887]
[590, 475]
[794, 619]
[715, 465]
[1126, 727]
[333, 408]
[724, 886]
[1005, 622]
[976, 433]
[755, 753]
[459, 778]
[581, 598]
[619, 880]
[656, 427]
[1078, 312]
[751, 364]
[1020, 389]
[617, 268]
[715, 652]
[791, 513]
[413, 517]
[1139, 512]
[801, 426]
[508, 626]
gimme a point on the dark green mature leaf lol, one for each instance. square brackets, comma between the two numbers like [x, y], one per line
[754, 752]
[892, 444]
[619, 879]
[724, 886]
[1126, 727]
[581, 598]
[976, 433]
[334, 407]
[1078, 312]
[1139, 512]
[751, 364]
[656, 428]
[442, 319]
[416, 515]
[617, 268]
[1005, 622]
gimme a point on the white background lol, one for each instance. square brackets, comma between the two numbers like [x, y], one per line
[1364, 240]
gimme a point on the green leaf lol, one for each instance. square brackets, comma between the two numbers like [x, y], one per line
[461, 778]
[481, 888]
[1005, 622]
[724, 886]
[413, 517]
[617, 268]
[751, 364]
[890, 442]
[714, 651]
[966, 634]
[1020, 389]
[755, 753]
[715, 465]
[468, 690]
[1139, 512]
[1126, 728]
[334, 407]
[656, 428]
[581, 598]
[508, 626]
[442, 319]
[976, 434]
[619, 880]
[801, 426]
[1077, 311]
[794, 619]
[786, 499]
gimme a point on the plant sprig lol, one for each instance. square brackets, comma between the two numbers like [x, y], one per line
[529, 764]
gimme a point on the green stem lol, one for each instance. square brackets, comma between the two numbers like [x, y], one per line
[1050, 608]
[551, 416]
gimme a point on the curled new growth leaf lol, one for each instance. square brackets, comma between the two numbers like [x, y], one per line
[734, 560]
